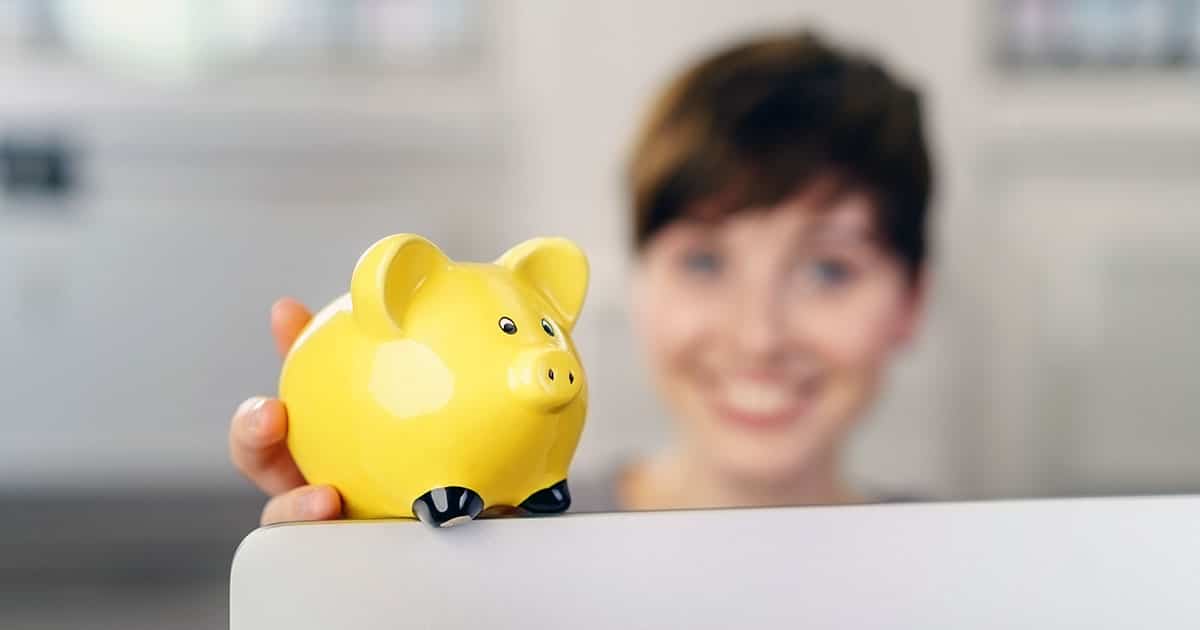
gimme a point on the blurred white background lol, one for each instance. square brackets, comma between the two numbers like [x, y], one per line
[220, 154]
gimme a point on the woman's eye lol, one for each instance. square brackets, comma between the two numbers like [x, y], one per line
[547, 327]
[830, 273]
[702, 262]
[508, 326]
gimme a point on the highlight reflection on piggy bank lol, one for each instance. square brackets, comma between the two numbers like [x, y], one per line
[437, 388]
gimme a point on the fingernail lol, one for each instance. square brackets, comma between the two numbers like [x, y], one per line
[256, 416]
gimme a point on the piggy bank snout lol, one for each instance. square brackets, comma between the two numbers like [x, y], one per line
[547, 379]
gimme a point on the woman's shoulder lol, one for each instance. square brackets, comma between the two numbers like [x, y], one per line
[877, 494]
[599, 491]
[594, 493]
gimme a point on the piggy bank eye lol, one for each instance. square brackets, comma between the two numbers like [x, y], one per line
[508, 326]
[547, 327]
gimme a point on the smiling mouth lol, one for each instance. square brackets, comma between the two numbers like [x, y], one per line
[763, 406]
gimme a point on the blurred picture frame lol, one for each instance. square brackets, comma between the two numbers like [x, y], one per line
[1063, 36]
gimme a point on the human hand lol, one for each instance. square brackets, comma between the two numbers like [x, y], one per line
[258, 441]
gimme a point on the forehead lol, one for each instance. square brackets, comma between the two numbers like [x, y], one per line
[849, 216]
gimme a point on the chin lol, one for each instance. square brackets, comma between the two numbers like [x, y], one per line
[767, 460]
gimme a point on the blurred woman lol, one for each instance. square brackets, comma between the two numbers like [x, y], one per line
[779, 192]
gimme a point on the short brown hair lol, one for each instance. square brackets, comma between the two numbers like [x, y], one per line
[753, 123]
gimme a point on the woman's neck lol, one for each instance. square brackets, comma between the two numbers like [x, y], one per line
[683, 479]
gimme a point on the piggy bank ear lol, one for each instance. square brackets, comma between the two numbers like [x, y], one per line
[555, 267]
[387, 277]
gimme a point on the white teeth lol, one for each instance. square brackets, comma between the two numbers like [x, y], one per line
[759, 398]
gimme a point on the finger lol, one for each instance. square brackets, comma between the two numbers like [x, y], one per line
[288, 318]
[258, 447]
[306, 503]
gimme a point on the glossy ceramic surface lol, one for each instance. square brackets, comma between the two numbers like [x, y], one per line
[432, 374]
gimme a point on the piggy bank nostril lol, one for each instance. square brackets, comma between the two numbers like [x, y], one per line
[550, 374]
[570, 377]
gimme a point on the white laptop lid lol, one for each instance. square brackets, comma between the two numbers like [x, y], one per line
[1084, 563]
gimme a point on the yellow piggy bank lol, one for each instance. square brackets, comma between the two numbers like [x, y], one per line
[437, 388]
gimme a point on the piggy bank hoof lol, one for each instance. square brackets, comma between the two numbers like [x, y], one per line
[446, 507]
[552, 500]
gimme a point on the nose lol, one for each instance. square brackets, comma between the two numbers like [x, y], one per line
[548, 379]
[756, 327]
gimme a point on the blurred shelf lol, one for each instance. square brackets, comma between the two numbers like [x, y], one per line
[53, 88]
[1129, 152]
[295, 80]
[188, 38]
[1151, 105]
[300, 137]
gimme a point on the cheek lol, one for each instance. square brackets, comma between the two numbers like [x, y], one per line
[675, 324]
[854, 333]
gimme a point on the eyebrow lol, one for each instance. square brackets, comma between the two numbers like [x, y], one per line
[824, 233]
[821, 231]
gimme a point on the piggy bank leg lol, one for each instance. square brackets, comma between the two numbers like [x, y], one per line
[445, 507]
[552, 500]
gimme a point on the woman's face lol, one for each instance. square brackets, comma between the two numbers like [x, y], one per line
[767, 332]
